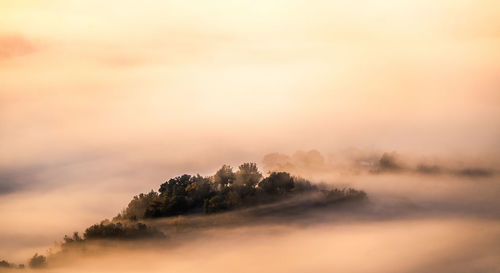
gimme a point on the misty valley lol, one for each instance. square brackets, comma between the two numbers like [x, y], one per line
[246, 191]
[206, 213]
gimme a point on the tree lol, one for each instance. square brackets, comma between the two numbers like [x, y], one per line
[224, 176]
[301, 185]
[225, 190]
[248, 174]
[175, 186]
[155, 208]
[120, 231]
[388, 162]
[277, 183]
[199, 190]
[136, 209]
[38, 261]
[215, 204]
[74, 239]
[5, 264]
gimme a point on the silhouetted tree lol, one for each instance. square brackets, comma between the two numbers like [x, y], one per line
[248, 174]
[137, 207]
[38, 261]
[225, 190]
[198, 190]
[388, 162]
[336, 195]
[110, 230]
[175, 186]
[302, 185]
[5, 264]
[74, 239]
[224, 176]
[277, 183]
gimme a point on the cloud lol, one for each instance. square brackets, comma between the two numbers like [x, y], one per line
[299, 162]
[12, 46]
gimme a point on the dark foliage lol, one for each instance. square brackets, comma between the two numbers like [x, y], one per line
[428, 169]
[138, 206]
[388, 162]
[336, 195]
[224, 176]
[72, 241]
[5, 264]
[118, 230]
[38, 261]
[226, 190]
[248, 175]
[277, 183]
[475, 172]
[107, 230]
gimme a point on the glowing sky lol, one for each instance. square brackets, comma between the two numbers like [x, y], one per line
[415, 75]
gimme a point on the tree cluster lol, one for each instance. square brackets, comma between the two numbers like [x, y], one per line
[6, 264]
[225, 190]
[107, 230]
[38, 261]
[110, 230]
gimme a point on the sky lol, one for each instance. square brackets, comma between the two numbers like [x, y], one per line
[116, 96]
[248, 76]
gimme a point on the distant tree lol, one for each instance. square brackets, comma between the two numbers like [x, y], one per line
[38, 261]
[156, 208]
[302, 185]
[277, 183]
[120, 231]
[225, 190]
[71, 241]
[388, 162]
[137, 207]
[5, 264]
[177, 196]
[336, 195]
[75, 238]
[175, 186]
[248, 174]
[224, 176]
[199, 189]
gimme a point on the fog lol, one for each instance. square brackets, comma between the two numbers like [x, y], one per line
[416, 245]
[394, 246]
[101, 101]
[410, 223]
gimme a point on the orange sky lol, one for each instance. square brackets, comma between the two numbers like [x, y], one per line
[248, 77]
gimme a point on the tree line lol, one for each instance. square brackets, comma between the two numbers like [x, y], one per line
[225, 190]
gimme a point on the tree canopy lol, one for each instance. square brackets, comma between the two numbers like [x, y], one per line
[225, 190]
